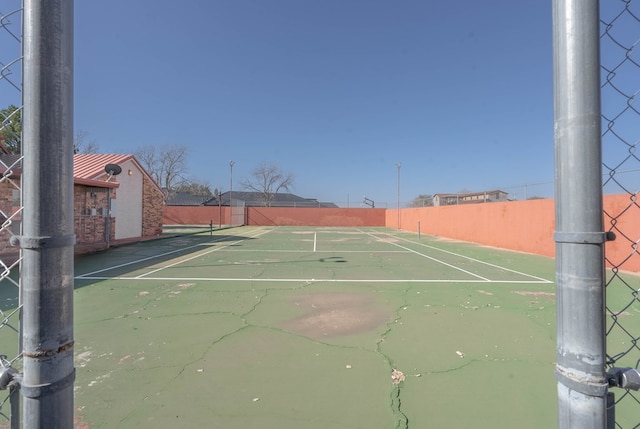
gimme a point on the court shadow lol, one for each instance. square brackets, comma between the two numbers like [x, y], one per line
[123, 259]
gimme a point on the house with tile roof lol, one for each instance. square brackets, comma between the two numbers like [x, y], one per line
[108, 208]
[131, 210]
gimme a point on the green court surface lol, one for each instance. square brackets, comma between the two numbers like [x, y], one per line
[258, 327]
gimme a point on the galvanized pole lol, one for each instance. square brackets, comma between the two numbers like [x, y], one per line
[398, 165]
[231, 164]
[48, 236]
[579, 236]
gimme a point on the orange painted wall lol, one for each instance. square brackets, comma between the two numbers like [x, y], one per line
[626, 226]
[284, 216]
[195, 215]
[525, 226]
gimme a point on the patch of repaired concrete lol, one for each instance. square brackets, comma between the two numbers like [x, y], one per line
[336, 314]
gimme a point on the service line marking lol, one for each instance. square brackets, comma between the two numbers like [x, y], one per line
[540, 279]
[432, 258]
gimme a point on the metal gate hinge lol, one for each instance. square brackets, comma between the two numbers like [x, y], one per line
[626, 378]
[9, 377]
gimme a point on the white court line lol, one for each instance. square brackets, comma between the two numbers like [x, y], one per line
[261, 232]
[91, 276]
[264, 280]
[431, 258]
[469, 258]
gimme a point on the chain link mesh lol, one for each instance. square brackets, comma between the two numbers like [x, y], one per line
[10, 204]
[620, 65]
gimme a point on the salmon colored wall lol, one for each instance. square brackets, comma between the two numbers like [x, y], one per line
[195, 215]
[525, 226]
[281, 216]
[626, 226]
[284, 216]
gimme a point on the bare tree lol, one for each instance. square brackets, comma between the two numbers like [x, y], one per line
[268, 179]
[422, 200]
[166, 164]
[82, 143]
[195, 188]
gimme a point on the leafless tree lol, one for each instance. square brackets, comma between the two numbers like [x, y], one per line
[195, 188]
[82, 143]
[422, 201]
[268, 179]
[166, 164]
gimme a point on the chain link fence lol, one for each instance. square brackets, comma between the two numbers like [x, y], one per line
[10, 210]
[620, 67]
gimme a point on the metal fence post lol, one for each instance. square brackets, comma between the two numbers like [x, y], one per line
[579, 235]
[48, 236]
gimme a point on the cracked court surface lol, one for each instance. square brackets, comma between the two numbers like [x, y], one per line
[314, 327]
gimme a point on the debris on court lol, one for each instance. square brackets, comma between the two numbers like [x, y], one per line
[186, 285]
[459, 353]
[396, 376]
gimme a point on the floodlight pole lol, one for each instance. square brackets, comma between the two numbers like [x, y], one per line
[398, 165]
[47, 240]
[231, 164]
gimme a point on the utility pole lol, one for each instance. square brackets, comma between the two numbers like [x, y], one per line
[231, 164]
[398, 165]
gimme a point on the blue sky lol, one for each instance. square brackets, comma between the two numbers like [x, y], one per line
[336, 92]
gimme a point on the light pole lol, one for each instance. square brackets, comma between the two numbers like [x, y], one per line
[231, 163]
[398, 165]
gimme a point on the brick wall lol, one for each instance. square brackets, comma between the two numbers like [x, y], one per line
[90, 206]
[152, 205]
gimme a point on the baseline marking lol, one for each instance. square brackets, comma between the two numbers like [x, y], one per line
[263, 280]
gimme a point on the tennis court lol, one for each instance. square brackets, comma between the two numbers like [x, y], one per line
[290, 327]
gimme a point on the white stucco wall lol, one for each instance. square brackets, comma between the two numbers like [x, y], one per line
[128, 206]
